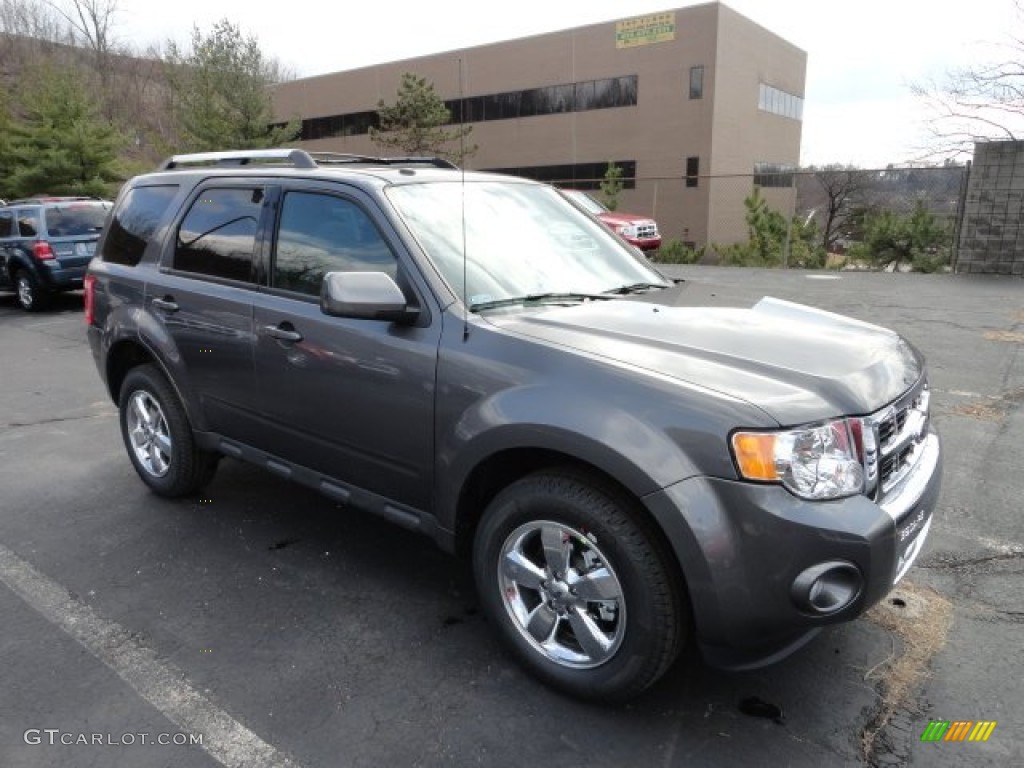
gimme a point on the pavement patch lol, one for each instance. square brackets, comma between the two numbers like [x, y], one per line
[920, 620]
[1011, 337]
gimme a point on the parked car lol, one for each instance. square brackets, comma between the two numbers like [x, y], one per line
[641, 231]
[472, 357]
[46, 244]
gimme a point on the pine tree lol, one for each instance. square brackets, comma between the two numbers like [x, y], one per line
[221, 95]
[61, 144]
[414, 123]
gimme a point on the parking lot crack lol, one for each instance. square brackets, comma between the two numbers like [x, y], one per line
[53, 420]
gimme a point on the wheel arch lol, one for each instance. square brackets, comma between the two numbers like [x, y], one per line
[128, 353]
[502, 468]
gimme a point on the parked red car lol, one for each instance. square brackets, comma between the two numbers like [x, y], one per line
[641, 231]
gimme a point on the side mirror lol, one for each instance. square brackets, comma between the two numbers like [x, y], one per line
[365, 296]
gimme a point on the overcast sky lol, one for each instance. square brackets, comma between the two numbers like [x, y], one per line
[863, 55]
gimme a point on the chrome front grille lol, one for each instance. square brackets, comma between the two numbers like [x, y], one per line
[893, 440]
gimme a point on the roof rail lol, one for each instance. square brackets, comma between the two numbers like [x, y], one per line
[38, 199]
[295, 157]
[331, 158]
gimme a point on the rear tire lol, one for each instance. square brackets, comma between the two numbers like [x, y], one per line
[31, 296]
[158, 435]
[579, 585]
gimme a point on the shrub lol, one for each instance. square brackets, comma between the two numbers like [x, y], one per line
[677, 252]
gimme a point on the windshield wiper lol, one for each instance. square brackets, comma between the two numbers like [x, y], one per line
[533, 298]
[635, 288]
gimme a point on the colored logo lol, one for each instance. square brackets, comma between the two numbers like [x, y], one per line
[958, 730]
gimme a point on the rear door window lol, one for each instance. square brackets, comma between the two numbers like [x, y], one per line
[135, 221]
[217, 238]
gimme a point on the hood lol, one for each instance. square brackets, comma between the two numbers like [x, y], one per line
[796, 363]
[617, 219]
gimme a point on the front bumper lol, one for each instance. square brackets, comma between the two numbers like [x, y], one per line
[744, 549]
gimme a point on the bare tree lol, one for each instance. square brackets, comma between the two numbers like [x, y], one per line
[93, 20]
[985, 101]
[842, 187]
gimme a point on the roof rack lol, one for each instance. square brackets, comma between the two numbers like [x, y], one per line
[37, 199]
[297, 158]
[332, 158]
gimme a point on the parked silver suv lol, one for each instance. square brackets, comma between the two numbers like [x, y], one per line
[473, 357]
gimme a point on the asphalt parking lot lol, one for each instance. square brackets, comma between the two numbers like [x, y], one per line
[285, 630]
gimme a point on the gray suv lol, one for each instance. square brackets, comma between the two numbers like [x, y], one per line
[46, 244]
[472, 357]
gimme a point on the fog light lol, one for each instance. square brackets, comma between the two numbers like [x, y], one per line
[827, 587]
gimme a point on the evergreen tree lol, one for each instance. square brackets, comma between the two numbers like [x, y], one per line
[611, 186]
[221, 96]
[61, 144]
[414, 123]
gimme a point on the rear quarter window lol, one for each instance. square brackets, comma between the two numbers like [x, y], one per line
[28, 222]
[135, 221]
[6, 224]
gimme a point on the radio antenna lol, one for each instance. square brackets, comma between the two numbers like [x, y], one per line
[462, 165]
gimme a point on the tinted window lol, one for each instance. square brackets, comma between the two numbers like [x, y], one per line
[75, 219]
[218, 235]
[321, 234]
[6, 224]
[134, 223]
[696, 82]
[28, 223]
[692, 171]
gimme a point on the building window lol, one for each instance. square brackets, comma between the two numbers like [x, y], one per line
[574, 176]
[697, 82]
[773, 175]
[607, 93]
[779, 102]
[692, 171]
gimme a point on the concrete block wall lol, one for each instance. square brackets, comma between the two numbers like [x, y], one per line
[992, 233]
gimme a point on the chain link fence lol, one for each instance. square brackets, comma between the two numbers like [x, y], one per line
[797, 217]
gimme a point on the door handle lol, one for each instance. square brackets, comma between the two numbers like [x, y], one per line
[167, 304]
[282, 333]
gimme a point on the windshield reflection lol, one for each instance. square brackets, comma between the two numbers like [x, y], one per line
[520, 240]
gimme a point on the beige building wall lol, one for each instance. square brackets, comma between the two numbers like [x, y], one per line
[724, 129]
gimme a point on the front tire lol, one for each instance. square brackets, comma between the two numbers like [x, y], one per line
[579, 585]
[158, 435]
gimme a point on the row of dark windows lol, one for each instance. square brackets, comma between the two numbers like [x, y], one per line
[574, 175]
[773, 175]
[584, 96]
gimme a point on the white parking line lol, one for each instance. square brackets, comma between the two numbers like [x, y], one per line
[161, 684]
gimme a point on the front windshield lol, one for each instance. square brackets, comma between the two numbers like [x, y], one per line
[520, 240]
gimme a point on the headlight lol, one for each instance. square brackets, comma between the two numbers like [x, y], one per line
[815, 463]
[628, 231]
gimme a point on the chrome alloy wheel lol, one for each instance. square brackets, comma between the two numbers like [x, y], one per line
[26, 296]
[150, 437]
[562, 594]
